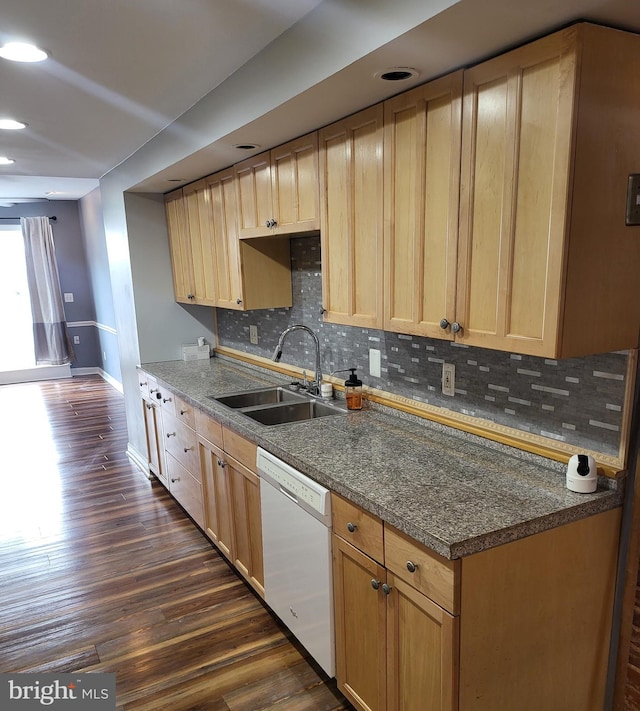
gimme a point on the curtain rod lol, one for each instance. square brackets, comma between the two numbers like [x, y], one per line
[53, 219]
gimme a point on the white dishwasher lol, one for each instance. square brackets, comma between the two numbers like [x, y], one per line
[296, 539]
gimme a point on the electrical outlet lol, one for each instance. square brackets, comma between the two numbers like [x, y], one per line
[68, 297]
[374, 362]
[448, 379]
[76, 340]
[253, 335]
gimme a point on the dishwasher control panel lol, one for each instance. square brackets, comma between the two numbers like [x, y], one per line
[305, 491]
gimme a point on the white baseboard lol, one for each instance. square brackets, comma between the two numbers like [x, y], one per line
[103, 374]
[31, 375]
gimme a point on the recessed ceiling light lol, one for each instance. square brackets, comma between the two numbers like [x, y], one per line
[11, 125]
[397, 74]
[6, 161]
[176, 180]
[22, 52]
[246, 146]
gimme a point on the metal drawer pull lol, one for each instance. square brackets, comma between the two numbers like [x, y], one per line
[166, 399]
[351, 527]
[187, 449]
[411, 566]
[142, 384]
[375, 584]
[171, 434]
[173, 481]
[183, 412]
[386, 589]
[153, 390]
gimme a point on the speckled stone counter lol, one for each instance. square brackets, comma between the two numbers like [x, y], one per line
[455, 492]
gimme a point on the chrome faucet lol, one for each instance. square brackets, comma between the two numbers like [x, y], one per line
[314, 387]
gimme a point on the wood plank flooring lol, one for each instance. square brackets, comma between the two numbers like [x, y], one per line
[100, 570]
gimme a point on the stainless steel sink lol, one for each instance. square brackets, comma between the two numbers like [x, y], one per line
[279, 406]
[261, 396]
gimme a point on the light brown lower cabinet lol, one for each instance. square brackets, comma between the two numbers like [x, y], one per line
[232, 516]
[396, 649]
[528, 624]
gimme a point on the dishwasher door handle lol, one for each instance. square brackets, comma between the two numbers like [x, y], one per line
[287, 494]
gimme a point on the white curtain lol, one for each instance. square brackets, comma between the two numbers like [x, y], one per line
[52, 345]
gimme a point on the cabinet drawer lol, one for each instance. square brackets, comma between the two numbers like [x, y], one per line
[434, 576]
[239, 448]
[180, 441]
[186, 490]
[166, 399]
[359, 527]
[185, 412]
[143, 383]
[209, 428]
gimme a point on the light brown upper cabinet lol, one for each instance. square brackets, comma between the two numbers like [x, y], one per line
[421, 190]
[351, 207]
[278, 190]
[179, 246]
[547, 266]
[210, 265]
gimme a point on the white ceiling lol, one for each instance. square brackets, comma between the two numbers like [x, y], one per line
[122, 71]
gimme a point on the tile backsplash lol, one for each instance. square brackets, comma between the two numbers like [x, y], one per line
[578, 401]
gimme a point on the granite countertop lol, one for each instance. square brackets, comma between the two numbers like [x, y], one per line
[456, 493]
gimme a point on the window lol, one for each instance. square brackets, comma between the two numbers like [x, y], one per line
[15, 308]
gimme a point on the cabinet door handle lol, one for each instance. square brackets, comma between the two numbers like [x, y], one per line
[166, 399]
[238, 301]
[153, 390]
[444, 324]
[171, 434]
[183, 412]
[190, 296]
[187, 449]
[386, 589]
[375, 584]
[173, 481]
[351, 527]
[222, 463]
[142, 384]
[411, 566]
[149, 406]
[456, 327]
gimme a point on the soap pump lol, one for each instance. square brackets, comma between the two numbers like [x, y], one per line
[353, 391]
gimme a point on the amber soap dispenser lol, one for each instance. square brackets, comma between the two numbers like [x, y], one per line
[353, 391]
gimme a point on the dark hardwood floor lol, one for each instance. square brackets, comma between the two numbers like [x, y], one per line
[100, 570]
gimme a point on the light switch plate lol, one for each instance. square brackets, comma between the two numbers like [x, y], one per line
[633, 200]
[374, 362]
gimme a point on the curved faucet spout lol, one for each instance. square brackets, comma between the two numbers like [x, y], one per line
[277, 353]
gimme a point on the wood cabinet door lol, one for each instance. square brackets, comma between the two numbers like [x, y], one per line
[223, 226]
[255, 204]
[244, 489]
[351, 215]
[421, 191]
[153, 434]
[294, 185]
[179, 247]
[360, 620]
[196, 198]
[422, 642]
[516, 153]
[216, 494]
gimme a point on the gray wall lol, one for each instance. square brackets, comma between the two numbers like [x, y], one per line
[98, 263]
[74, 273]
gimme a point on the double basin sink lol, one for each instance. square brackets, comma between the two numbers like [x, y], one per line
[279, 405]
